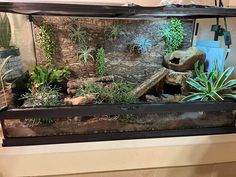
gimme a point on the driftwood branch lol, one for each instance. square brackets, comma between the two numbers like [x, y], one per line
[150, 82]
[73, 84]
[81, 100]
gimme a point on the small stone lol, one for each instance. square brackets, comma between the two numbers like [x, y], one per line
[184, 60]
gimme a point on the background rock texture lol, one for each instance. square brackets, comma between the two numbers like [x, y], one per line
[119, 61]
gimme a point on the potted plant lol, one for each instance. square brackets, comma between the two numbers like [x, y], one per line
[6, 49]
[5, 88]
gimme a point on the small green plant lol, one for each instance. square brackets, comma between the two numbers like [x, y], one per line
[43, 96]
[47, 42]
[212, 86]
[78, 35]
[47, 76]
[5, 31]
[173, 35]
[141, 44]
[100, 62]
[114, 32]
[113, 93]
[3, 73]
[85, 54]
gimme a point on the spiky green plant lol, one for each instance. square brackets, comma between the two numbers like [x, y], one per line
[115, 31]
[141, 44]
[78, 35]
[100, 62]
[85, 53]
[173, 35]
[116, 92]
[4, 73]
[43, 96]
[212, 86]
[47, 42]
[5, 31]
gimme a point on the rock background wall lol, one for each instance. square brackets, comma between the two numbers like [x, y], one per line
[120, 62]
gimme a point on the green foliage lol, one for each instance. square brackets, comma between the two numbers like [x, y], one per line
[3, 73]
[78, 35]
[141, 44]
[100, 62]
[114, 93]
[173, 35]
[85, 54]
[47, 42]
[47, 76]
[5, 31]
[43, 96]
[212, 86]
[114, 32]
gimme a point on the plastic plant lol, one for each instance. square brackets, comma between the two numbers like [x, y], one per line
[3, 73]
[116, 92]
[114, 32]
[173, 35]
[85, 54]
[141, 44]
[47, 76]
[212, 86]
[47, 42]
[100, 62]
[43, 96]
[5, 32]
[78, 35]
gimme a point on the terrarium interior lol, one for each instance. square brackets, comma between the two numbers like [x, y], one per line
[87, 61]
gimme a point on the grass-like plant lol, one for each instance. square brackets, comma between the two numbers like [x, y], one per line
[4, 73]
[173, 35]
[212, 86]
[85, 54]
[114, 32]
[5, 31]
[47, 76]
[47, 42]
[114, 93]
[141, 44]
[78, 35]
[43, 96]
[100, 62]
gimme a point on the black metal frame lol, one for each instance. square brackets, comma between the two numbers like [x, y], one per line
[98, 110]
[192, 11]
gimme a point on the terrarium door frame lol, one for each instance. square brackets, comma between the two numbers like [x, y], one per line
[60, 112]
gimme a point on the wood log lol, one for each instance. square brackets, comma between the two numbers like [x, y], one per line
[73, 84]
[150, 82]
[82, 100]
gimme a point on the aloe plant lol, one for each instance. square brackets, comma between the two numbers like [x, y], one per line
[212, 86]
[5, 31]
[3, 73]
[115, 31]
[78, 35]
[85, 54]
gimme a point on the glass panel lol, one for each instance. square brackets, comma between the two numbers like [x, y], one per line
[114, 124]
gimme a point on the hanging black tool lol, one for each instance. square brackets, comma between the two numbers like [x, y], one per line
[220, 31]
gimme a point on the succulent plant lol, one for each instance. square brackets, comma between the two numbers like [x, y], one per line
[141, 44]
[3, 73]
[85, 53]
[78, 35]
[212, 86]
[114, 31]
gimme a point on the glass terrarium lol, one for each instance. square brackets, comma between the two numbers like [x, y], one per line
[74, 73]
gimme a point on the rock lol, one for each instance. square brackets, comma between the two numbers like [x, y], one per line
[178, 78]
[184, 60]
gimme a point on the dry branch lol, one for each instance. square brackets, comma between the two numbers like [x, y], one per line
[150, 82]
